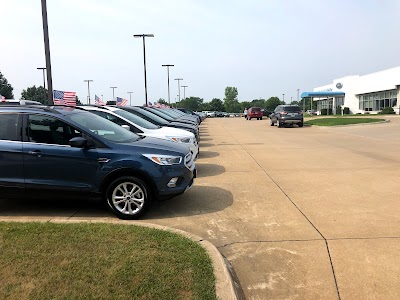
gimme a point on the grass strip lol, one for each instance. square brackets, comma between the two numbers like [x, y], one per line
[101, 261]
[341, 121]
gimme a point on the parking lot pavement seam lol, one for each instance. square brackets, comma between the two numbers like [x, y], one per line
[268, 241]
[333, 269]
[312, 224]
[365, 238]
[294, 204]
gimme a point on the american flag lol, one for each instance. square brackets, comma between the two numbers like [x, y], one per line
[98, 101]
[64, 98]
[121, 102]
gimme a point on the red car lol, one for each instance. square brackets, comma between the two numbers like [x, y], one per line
[254, 112]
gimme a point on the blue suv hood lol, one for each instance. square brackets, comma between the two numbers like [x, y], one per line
[157, 146]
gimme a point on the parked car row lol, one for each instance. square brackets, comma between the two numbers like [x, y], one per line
[126, 156]
[219, 114]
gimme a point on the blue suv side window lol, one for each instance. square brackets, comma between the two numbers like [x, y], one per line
[8, 127]
[49, 130]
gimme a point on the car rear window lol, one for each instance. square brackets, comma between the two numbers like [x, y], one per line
[292, 108]
[255, 109]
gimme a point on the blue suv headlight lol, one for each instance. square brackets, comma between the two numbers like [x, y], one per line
[164, 160]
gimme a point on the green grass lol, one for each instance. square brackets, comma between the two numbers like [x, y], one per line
[341, 121]
[101, 261]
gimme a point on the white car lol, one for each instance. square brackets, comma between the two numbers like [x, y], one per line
[143, 127]
[210, 114]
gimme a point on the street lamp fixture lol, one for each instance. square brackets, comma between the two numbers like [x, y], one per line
[113, 88]
[144, 59]
[283, 97]
[169, 100]
[88, 89]
[44, 77]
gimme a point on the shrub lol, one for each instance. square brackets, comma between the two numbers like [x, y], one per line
[346, 110]
[387, 111]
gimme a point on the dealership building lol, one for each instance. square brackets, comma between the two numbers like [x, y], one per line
[360, 93]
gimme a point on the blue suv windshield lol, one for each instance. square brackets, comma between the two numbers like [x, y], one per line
[104, 128]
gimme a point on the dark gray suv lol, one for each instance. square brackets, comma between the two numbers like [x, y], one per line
[287, 114]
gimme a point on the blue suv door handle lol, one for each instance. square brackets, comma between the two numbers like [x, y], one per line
[38, 153]
[103, 160]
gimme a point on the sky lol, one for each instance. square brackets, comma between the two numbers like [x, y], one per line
[264, 48]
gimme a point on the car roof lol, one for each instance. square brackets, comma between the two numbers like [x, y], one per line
[19, 102]
[57, 109]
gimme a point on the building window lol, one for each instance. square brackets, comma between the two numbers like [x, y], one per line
[377, 101]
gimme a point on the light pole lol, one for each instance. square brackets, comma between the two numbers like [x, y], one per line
[144, 59]
[291, 100]
[184, 91]
[169, 101]
[113, 88]
[298, 100]
[179, 88]
[44, 77]
[283, 97]
[88, 89]
[47, 54]
[130, 98]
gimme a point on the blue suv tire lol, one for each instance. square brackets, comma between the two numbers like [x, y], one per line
[128, 197]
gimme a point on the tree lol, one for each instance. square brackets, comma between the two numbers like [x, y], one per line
[6, 89]
[217, 105]
[205, 106]
[258, 103]
[162, 101]
[35, 93]
[231, 102]
[272, 103]
[192, 103]
[244, 105]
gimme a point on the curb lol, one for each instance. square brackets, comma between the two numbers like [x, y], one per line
[225, 287]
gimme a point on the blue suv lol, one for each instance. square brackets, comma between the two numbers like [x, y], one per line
[63, 152]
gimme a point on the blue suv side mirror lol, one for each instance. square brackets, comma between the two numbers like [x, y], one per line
[78, 142]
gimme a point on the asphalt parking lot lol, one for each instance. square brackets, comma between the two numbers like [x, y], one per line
[301, 213]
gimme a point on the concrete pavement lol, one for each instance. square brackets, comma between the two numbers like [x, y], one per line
[301, 213]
